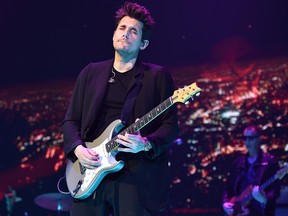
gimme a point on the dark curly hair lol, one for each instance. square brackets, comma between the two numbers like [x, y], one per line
[139, 13]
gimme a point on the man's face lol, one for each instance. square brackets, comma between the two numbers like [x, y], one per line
[252, 140]
[127, 36]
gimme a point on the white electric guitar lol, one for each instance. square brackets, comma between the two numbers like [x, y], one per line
[82, 182]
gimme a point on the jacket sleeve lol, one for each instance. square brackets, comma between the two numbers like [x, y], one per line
[71, 125]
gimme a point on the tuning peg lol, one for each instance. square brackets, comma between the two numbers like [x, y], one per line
[197, 94]
[187, 102]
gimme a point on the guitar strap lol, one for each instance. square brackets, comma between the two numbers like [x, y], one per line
[131, 96]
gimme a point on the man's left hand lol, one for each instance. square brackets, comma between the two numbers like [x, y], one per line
[259, 195]
[133, 143]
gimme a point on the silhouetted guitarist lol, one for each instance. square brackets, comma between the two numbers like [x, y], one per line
[248, 191]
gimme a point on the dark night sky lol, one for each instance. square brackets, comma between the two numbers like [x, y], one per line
[50, 39]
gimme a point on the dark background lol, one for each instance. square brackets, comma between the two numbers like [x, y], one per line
[43, 40]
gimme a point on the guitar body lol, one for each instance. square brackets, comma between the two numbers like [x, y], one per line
[82, 182]
[238, 201]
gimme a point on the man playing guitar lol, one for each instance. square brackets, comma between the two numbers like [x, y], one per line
[250, 173]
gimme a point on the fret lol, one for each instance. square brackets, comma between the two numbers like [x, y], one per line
[128, 130]
[138, 125]
[108, 146]
[114, 144]
[149, 116]
[153, 113]
[141, 122]
[135, 128]
[158, 110]
[167, 103]
[146, 119]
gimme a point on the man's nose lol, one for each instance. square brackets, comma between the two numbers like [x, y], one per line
[125, 35]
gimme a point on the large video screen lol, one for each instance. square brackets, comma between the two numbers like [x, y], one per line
[232, 97]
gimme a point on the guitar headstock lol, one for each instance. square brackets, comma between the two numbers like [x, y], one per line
[183, 94]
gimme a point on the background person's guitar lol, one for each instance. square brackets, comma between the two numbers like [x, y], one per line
[243, 199]
[82, 182]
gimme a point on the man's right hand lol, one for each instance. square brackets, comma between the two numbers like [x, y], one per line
[228, 207]
[87, 157]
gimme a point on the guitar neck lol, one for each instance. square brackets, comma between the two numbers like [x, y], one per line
[144, 120]
[268, 182]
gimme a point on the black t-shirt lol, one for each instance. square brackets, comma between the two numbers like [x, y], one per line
[114, 101]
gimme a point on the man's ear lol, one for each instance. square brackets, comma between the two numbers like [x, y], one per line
[113, 36]
[145, 43]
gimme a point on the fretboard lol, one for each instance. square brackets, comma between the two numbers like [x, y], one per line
[144, 120]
